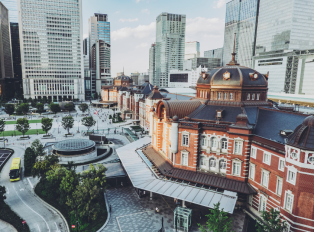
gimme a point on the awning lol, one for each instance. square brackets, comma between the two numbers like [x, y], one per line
[139, 171]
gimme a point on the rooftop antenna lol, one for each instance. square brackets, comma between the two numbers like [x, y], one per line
[233, 60]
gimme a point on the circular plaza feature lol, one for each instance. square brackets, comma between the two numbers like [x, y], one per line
[74, 147]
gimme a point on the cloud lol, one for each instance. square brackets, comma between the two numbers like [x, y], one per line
[146, 11]
[204, 27]
[137, 1]
[128, 20]
[140, 32]
[220, 3]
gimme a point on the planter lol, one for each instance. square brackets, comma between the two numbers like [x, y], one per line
[68, 135]
[24, 138]
[47, 137]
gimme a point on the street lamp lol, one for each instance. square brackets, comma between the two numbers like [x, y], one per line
[78, 129]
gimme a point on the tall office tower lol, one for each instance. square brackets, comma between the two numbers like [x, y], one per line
[241, 18]
[290, 28]
[100, 62]
[6, 67]
[214, 53]
[170, 46]
[99, 29]
[51, 49]
[11, 5]
[16, 58]
[192, 50]
[283, 41]
[86, 53]
[152, 63]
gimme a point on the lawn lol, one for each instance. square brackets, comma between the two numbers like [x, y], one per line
[30, 132]
[30, 121]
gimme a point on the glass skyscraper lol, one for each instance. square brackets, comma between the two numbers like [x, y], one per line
[99, 33]
[51, 48]
[170, 46]
[285, 25]
[241, 18]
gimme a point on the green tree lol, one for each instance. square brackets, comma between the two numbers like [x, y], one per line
[24, 107]
[37, 148]
[2, 194]
[54, 177]
[55, 108]
[69, 107]
[271, 222]
[46, 124]
[217, 221]
[2, 126]
[85, 199]
[41, 167]
[97, 173]
[88, 122]
[22, 125]
[29, 160]
[9, 109]
[83, 107]
[40, 108]
[67, 123]
[68, 185]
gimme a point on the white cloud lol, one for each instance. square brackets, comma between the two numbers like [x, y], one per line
[137, 1]
[140, 31]
[128, 20]
[146, 11]
[220, 3]
[204, 27]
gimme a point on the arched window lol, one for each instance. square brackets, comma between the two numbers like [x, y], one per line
[212, 163]
[224, 144]
[222, 165]
[214, 143]
[203, 141]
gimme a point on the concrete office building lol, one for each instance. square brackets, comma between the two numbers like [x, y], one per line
[152, 63]
[214, 53]
[192, 50]
[186, 78]
[284, 45]
[170, 43]
[142, 78]
[100, 62]
[241, 18]
[51, 49]
[135, 76]
[11, 5]
[99, 30]
[194, 63]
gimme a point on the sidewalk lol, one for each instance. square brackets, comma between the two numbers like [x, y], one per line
[4, 226]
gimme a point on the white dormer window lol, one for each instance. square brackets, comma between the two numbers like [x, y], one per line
[248, 97]
[257, 96]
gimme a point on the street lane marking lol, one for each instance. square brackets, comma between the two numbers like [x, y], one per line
[8, 192]
[38, 227]
[57, 227]
[30, 183]
[32, 209]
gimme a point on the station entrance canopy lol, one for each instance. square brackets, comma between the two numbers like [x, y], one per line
[138, 168]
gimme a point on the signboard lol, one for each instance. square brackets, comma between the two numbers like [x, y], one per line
[73, 226]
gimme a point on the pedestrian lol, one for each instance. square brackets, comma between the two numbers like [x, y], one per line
[110, 208]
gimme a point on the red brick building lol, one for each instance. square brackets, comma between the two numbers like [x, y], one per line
[232, 138]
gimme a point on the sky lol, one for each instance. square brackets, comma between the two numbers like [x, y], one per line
[133, 27]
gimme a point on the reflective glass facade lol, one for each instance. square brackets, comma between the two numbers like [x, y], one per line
[285, 25]
[170, 46]
[51, 48]
[241, 18]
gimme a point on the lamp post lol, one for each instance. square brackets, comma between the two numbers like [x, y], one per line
[78, 129]
[14, 130]
[97, 124]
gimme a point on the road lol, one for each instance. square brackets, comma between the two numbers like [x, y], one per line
[21, 199]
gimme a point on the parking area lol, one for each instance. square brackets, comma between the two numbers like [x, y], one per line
[4, 154]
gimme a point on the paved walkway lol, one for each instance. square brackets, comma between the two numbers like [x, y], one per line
[132, 214]
[4, 226]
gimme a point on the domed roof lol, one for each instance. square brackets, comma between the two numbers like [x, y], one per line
[124, 78]
[303, 136]
[233, 75]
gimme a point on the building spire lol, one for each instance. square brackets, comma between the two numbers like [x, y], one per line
[233, 60]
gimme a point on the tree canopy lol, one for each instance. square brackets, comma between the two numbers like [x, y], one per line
[41, 167]
[69, 107]
[9, 109]
[218, 221]
[67, 123]
[46, 124]
[29, 160]
[55, 108]
[37, 148]
[271, 222]
[40, 108]
[22, 125]
[24, 108]
[88, 122]
[83, 107]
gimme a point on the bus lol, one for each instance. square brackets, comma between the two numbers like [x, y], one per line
[15, 170]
